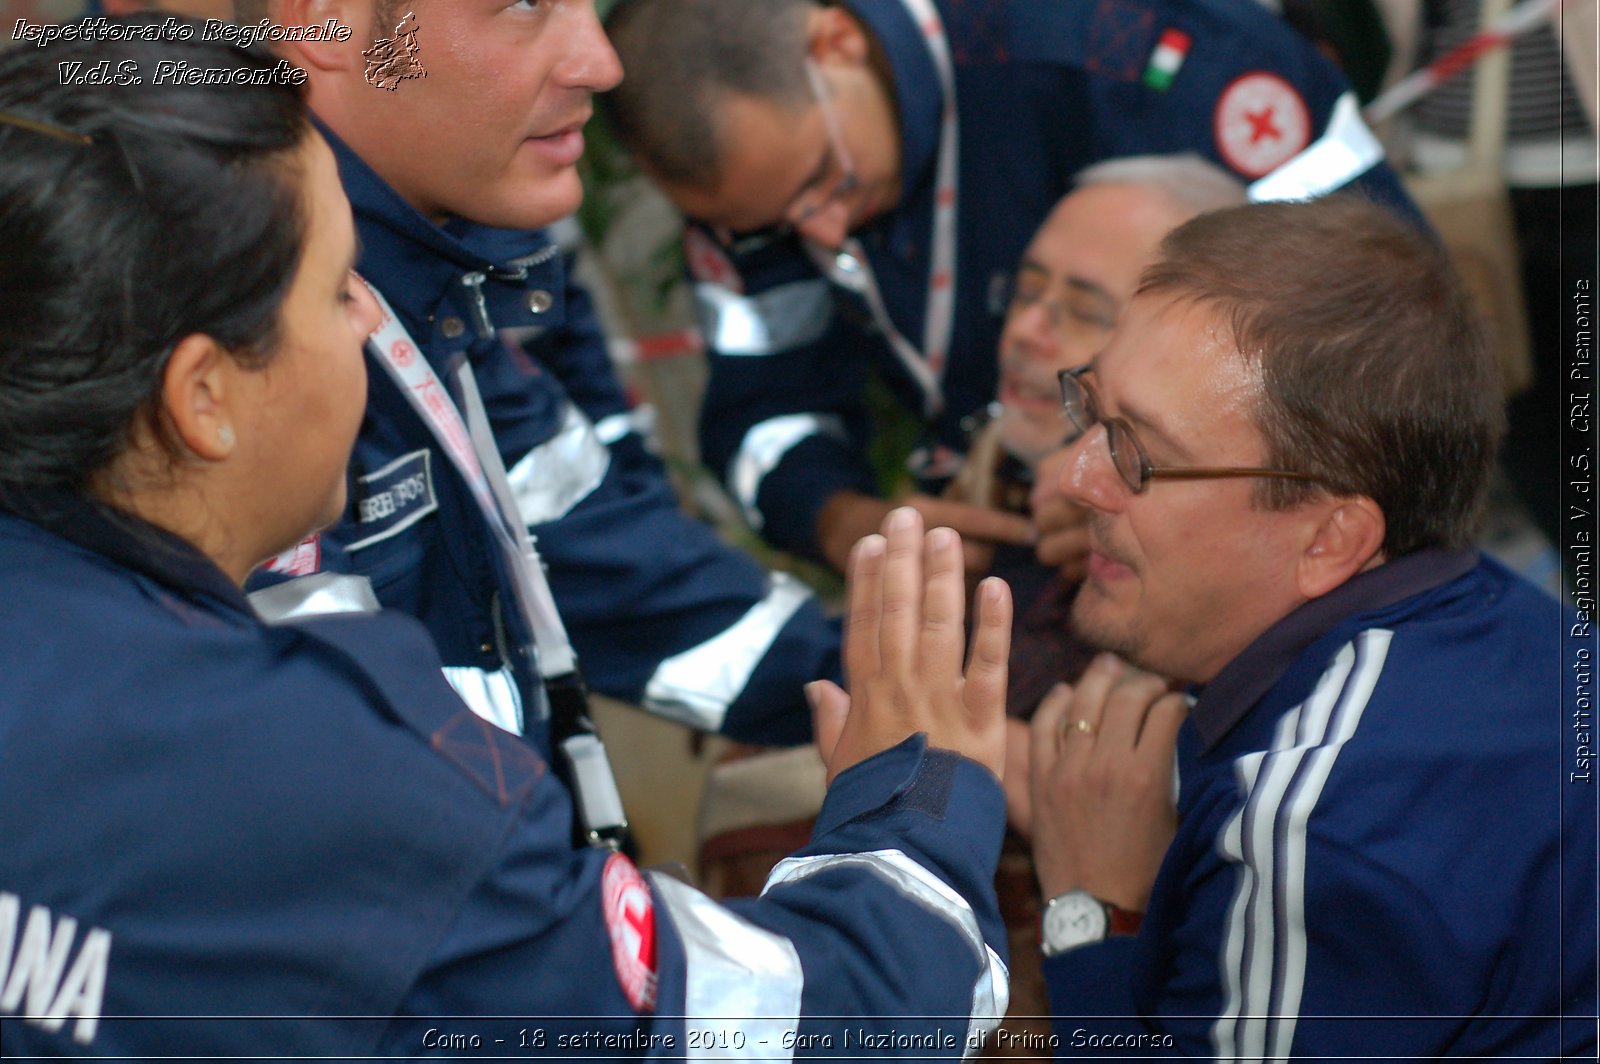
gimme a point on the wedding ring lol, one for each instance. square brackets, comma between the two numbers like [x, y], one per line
[1078, 725]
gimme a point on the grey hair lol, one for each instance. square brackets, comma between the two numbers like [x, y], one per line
[1185, 179]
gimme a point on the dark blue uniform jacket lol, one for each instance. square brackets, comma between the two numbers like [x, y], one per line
[223, 838]
[660, 611]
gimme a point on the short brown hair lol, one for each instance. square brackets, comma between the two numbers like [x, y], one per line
[1377, 379]
[684, 59]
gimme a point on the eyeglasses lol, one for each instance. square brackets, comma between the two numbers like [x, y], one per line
[819, 193]
[1082, 316]
[813, 198]
[1127, 455]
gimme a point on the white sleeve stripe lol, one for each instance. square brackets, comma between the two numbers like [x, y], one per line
[317, 595]
[778, 320]
[561, 472]
[735, 971]
[640, 420]
[697, 686]
[764, 446]
[1346, 150]
[991, 992]
[1263, 952]
[491, 695]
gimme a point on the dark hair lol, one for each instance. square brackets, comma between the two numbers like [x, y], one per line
[683, 58]
[1377, 379]
[182, 215]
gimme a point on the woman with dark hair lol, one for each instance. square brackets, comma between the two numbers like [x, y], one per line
[220, 836]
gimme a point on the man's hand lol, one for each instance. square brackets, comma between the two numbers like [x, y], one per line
[903, 647]
[848, 516]
[1062, 524]
[1101, 781]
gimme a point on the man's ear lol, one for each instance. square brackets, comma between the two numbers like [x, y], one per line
[325, 55]
[834, 35]
[1347, 541]
[195, 391]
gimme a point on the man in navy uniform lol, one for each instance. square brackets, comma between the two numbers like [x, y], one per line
[906, 150]
[452, 171]
[1379, 841]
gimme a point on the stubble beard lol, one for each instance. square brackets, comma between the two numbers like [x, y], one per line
[1126, 638]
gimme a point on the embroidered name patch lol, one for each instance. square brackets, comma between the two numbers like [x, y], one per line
[394, 498]
[631, 919]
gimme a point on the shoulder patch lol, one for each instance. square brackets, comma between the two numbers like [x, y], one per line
[1119, 39]
[393, 499]
[709, 263]
[630, 914]
[1261, 122]
[499, 762]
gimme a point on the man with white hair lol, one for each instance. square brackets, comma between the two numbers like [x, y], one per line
[1066, 294]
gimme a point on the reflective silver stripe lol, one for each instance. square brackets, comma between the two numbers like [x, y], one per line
[1346, 150]
[740, 978]
[641, 420]
[764, 446]
[992, 991]
[561, 472]
[698, 685]
[491, 695]
[771, 323]
[314, 596]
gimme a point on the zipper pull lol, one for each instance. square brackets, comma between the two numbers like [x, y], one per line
[477, 306]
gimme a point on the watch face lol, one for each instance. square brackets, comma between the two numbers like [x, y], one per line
[1073, 919]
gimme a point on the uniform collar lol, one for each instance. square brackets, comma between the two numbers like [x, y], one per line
[130, 542]
[418, 265]
[919, 97]
[1246, 679]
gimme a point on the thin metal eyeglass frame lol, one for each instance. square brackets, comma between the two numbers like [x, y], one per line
[797, 212]
[1083, 411]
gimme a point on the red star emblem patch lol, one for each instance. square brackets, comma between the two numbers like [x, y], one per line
[1261, 123]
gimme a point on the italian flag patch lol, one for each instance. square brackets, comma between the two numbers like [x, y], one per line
[1166, 60]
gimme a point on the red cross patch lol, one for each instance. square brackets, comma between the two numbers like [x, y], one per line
[708, 262]
[402, 353]
[1261, 123]
[631, 919]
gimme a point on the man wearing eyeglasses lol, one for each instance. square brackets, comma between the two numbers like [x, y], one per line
[1379, 841]
[865, 171]
[1059, 308]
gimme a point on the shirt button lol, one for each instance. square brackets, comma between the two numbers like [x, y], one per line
[539, 301]
[452, 328]
[487, 648]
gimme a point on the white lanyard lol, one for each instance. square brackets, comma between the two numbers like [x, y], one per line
[477, 459]
[472, 450]
[850, 269]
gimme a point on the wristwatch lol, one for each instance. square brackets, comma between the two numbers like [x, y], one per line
[1078, 918]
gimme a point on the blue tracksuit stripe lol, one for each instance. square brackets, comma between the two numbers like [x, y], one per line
[1266, 993]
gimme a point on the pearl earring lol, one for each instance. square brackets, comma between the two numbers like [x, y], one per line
[225, 436]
